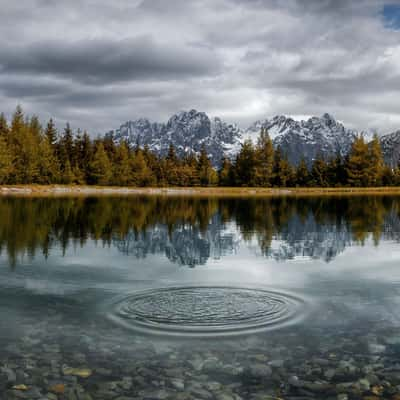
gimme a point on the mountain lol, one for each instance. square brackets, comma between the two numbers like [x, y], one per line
[391, 148]
[188, 131]
[306, 139]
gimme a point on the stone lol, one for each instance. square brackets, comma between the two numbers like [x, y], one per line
[58, 388]
[378, 390]
[364, 384]
[295, 381]
[260, 371]
[178, 384]
[375, 348]
[80, 372]
[20, 387]
[276, 363]
[126, 383]
[11, 375]
[329, 373]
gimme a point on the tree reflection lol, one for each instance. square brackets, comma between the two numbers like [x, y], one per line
[191, 230]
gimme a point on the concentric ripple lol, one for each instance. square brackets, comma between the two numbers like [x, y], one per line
[207, 310]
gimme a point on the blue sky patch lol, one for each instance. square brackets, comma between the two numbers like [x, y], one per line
[391, 15]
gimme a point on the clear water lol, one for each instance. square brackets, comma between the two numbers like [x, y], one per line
[200, 298]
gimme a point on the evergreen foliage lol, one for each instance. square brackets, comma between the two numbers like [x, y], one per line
[31, 154]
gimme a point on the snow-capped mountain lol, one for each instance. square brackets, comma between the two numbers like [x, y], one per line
[391, 148]
[306, 139]
[188, 131]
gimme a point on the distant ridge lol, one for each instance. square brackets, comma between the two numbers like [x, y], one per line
[189, 130]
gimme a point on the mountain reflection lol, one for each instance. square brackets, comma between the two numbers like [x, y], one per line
[191, 231]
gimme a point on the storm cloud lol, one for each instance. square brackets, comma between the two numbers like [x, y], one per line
[99, 63]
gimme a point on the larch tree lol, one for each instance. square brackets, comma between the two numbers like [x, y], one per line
[375, 159]
[358, 163]
[100, 166]
[264, 158]
[6, 161]
[245, 165]
[302, 174]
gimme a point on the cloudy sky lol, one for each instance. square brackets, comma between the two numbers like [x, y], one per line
[98, 63]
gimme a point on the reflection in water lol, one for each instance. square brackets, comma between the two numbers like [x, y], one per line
[190, 231]
[91, 277]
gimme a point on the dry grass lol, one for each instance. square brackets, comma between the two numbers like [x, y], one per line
[77, 190]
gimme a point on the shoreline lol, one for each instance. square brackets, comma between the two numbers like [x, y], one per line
[85, 190]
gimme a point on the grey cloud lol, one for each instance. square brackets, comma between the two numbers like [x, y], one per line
[104, 61]
[98, 63]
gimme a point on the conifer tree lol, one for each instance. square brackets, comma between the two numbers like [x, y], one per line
[192, 167]
[100, 166]
[172, 167]
[85, 155]
[357, 165]
[283, 173]
[319, 172]
[245, 165]
[66, 145]
[51, 133]
[4, 130]
[67, 175]
[6, 161]
[16, 138]
[264, 157]
[375, 159]
[388, 177]
[226, 173]
[142, 174]
[123, 166]
[336, 172]
[206, 171]
[302, 174]
[49, 168]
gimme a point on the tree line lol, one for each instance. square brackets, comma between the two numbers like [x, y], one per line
[38, 225]
[33, 154]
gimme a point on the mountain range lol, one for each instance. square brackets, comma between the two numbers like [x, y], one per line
[188, 131]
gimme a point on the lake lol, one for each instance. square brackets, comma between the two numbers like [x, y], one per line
[200, 298]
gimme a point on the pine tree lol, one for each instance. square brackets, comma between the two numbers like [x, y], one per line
[4, 129]
[67, 175]
[302, 174]
[49, 168]
[245, 165]
[66, 145]
[264, 160]
[6, 161]
[319, 172]
[100, 166]
[51, 133]
[192, 167]
[206, 171]
[85, 155]
[226, 173]
[142, 174]
[283, 173]
[123, 166]
[16, 138]
[388, 177]
[375, 159]
[357, 165]
[336, 172]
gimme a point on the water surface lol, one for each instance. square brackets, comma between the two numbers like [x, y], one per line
[188, 298]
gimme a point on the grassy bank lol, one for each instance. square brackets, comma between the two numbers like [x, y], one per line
[77, 190]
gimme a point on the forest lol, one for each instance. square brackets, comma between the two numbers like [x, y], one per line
[33, 154]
